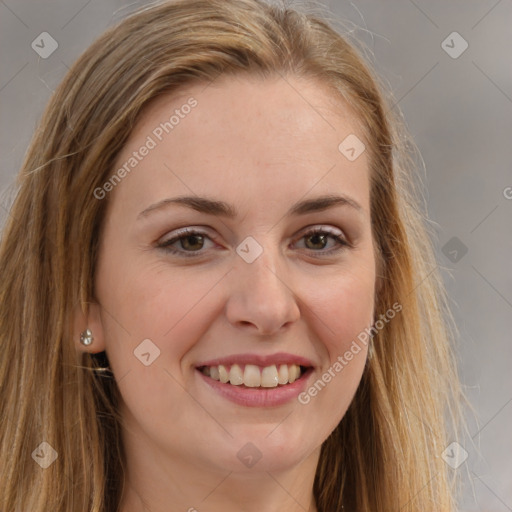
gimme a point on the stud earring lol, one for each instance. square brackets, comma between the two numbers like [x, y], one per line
[86, 337]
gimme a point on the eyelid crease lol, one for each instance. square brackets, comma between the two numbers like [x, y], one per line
[340, 238]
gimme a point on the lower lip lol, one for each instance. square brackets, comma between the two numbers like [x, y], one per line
[259, 397]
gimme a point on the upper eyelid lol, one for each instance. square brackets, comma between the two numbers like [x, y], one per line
[183, 232]
[201, 231]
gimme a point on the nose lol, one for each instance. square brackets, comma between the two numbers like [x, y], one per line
[262, 298]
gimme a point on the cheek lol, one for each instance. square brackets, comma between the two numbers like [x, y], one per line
[150, 302]
[344, 307]
[341, 311]
[160, 313]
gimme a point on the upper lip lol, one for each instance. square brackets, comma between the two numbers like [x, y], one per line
[258, 360]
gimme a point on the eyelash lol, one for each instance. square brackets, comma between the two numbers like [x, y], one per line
[187, 232]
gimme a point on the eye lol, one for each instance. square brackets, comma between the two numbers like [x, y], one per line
[319, 238]
[191, 242]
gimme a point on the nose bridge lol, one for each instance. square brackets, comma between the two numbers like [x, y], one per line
[262, 292]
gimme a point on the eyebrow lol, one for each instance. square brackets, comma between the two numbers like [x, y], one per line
[222, 209]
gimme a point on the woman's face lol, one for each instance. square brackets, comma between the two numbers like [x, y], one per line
[250, 293]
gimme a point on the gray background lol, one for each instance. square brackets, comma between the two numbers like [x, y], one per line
[459, 112]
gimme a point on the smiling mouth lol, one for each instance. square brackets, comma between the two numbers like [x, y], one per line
[253, 376]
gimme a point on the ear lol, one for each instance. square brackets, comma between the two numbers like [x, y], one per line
[91, 319]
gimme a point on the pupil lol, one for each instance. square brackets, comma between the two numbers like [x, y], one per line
[188, 238]
[318, 236]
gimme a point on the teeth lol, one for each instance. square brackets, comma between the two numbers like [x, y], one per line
[293, 373]
[214, 372]
[269, 377]
[223, 374]
[236, 376]
[254, 376]
[283, 374]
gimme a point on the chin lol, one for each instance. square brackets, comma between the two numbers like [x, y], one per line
[259, 448]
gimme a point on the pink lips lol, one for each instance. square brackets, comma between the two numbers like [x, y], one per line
[258, 397]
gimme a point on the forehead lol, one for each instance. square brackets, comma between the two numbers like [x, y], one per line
[252, 141]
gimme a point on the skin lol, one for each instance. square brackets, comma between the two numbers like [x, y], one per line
[261, 146]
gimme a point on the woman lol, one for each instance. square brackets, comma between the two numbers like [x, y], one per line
[217, 290]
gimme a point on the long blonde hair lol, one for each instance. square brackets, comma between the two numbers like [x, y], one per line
[385, 453]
